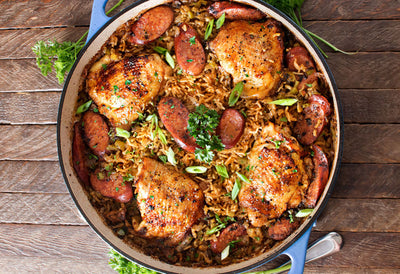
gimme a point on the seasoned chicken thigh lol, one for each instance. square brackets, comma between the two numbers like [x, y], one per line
[277, 176]
[122, 89]
[169, 202]
[252, 53]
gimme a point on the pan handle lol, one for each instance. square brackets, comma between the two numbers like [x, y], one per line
[98, 17]
[297, 252]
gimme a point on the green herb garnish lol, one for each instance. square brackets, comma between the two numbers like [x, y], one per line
[221, 170]
[235, 94]
[284, 102]
[171, 157]
[124, 266]
[236, 189]
[122, 133]
[304, 212]
[192, 40]
[220, 21]
[209, 29]
[84, 107]
[196, 169]
[243, 178]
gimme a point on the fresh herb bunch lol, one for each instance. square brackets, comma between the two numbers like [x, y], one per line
[292, 8]
[201, 124]
[124, 266]
[61, 56]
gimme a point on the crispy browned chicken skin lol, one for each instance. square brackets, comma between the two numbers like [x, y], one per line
[123, 89]
[253, 53]
[169, 202]
[277, 176]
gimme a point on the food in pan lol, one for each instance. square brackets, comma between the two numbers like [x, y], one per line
[202, 129]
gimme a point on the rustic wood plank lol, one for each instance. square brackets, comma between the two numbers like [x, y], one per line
[29, 108]
[362, 143]
[383, 35]
[32, 177]
[28, 142]
[360, 215]
[368, 181]
[39, 209]
[366, 70]
[371, 143]
[24, 39]
[359, 106]
[361, 253]
[370, 106]
[344, 10]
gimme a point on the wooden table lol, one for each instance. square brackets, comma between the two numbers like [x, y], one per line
[40, 229]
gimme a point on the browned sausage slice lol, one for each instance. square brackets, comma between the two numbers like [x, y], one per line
[175, 117]
[282, 229]
[235, 11]
[78, 155]
[298, 58]
[229, 234]
[112, 186]
[151, 25]
[310, 81]
[311, 123]
[96, 132]
[231, 127]
[321, 174]
[189, 50]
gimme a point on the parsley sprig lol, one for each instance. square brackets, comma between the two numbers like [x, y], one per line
[60, 56]
[201, 125]
[292, 8]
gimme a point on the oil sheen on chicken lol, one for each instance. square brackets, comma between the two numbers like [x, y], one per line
[277, 175]
[122, 89]
[169, 202]
[252, 53]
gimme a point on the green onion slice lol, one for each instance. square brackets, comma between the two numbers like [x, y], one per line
[169, 59]
[215, 229]
[160, 50]
[161, 136]
[209, 29]
[196, 169]
[284, 102]
[82, 108]
[236, 188]
[171, 157]
[243, 178]
[225, 252]
[221, 170]
[235, 94]
[220, 21]
[122, 133]
[304, 212]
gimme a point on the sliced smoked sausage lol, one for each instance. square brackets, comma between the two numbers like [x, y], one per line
[96, 132]
[151, 25]
[282, 229]
[231, 127]
[112, 186]
[189, 50]
[175, 116]
[78, 155]
[314, 118]
[298, 58]
[235, 11]
[229, 234]
[321, 174]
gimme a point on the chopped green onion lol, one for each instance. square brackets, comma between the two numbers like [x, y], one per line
[169, 59]
[243, 178]
[225, 252]
[235, 94]
[82, 108]
[220, 21]
[192, 40]
[160, 50]
[215, 229]
[236, 189]
[283, 119]
[221, 170]
[171, 157]
[161, 136]
[284, 102]
[163, 158]
[209, 29]
[196, 169]
[122, 133]
[304, 212]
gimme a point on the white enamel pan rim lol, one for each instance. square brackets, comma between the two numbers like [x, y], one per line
[64, 142]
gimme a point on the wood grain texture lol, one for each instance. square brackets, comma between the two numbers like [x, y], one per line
[31, 177]
[29, 108]
[344, 10]
[39, 209]
[370, 106]
[358, 36]
[368, 181]
[28, 142]
[371, 143]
